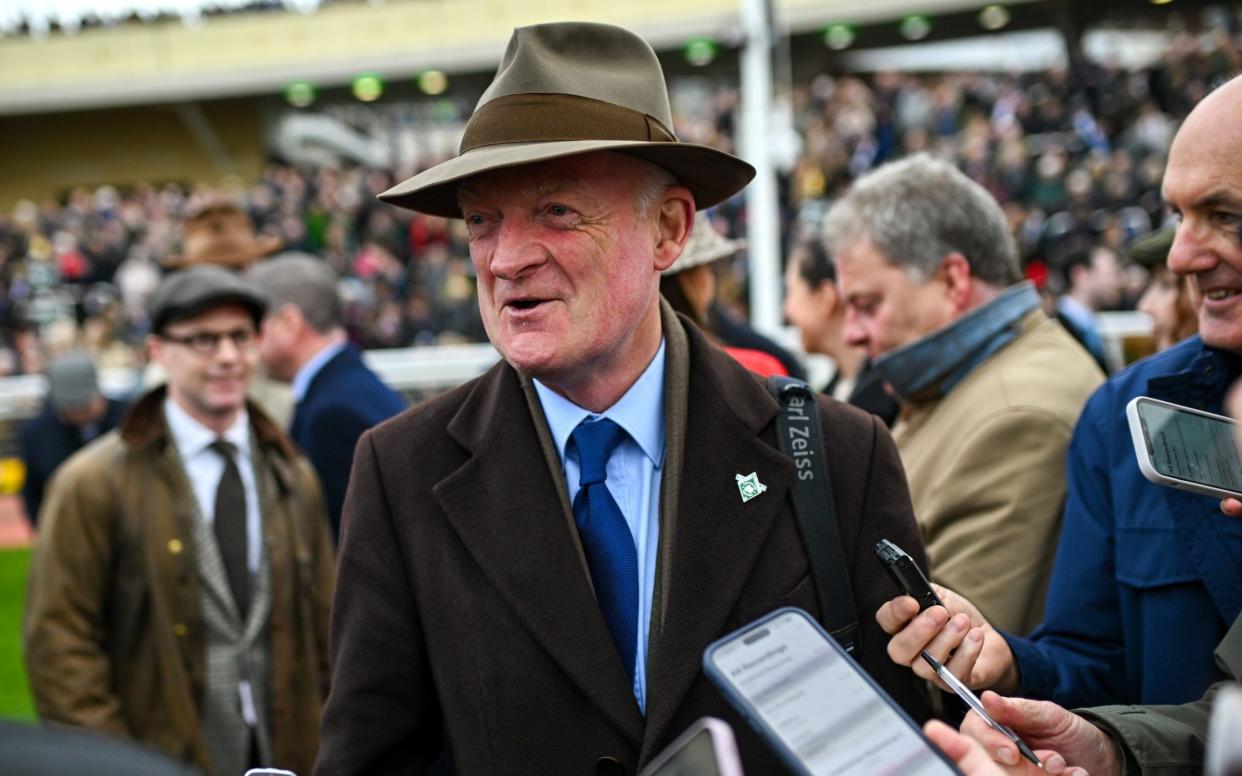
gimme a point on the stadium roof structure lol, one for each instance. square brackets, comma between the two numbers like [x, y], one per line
[131, 62]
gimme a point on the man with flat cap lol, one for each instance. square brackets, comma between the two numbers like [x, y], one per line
[75, 413]
[532, 564]
[180, 586]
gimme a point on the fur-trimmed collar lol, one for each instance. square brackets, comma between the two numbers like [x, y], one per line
[144, 424]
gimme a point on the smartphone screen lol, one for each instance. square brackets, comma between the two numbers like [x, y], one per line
[1188, 446]
[819, 704]
[696, 758]
[706, 748]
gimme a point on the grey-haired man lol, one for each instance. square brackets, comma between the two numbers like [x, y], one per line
[990, 386]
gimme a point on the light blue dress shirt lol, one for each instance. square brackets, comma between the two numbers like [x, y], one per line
[204, 467]
[302, 380]
[634, 473]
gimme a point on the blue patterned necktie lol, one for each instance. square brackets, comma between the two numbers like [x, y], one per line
[606, 538]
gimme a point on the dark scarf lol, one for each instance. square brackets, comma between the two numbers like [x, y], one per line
[929, 368]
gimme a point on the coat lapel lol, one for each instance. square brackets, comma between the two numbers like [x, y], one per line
[207, 554]
[715, 536]
[503, 504]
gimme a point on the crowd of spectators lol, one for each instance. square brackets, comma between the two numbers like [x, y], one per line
[1075, 157]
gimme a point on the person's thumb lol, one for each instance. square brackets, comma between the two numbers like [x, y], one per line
[1021, 714]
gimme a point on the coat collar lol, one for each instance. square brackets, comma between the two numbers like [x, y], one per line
[504, 504]
[144, 427]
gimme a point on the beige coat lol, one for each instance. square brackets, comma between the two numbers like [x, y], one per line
[986, 465]
[113, 630]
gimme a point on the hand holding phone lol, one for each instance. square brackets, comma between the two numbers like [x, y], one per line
[910, 579]
[1181, 447]
[814, 705]
[906, 574]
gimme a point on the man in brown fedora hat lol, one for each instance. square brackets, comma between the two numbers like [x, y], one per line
[216, 230]
[532, 564]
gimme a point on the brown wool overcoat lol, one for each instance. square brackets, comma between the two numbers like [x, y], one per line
[113, 628]
[463, 603]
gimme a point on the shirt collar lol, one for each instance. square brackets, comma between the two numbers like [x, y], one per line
[640, 412]
[192, 437]
[302, 380]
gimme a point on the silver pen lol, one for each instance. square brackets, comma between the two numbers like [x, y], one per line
[973, 702]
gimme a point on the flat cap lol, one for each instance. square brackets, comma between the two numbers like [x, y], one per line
[71, 382]
[190, 291]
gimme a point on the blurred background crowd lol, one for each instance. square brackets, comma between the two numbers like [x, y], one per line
[229, 131]
[1074, 154]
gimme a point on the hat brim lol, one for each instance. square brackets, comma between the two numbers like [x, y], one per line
[712, 176]
[724, 249]
[240, 258]
[1152, 250]
[254, 304]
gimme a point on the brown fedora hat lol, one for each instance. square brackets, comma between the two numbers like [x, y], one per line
[218, 231]
[571, 88]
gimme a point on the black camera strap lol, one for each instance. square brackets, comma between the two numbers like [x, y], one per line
[798, 427]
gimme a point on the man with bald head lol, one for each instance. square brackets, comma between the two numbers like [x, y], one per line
[1147, 579]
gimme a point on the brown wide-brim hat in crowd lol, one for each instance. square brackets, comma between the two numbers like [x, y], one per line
[218, 231]
[571, 88]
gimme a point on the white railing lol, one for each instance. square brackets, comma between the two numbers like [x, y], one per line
[413, 371]
[425, 371]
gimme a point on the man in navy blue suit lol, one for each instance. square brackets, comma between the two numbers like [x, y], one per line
[74, 414]
[303, 342]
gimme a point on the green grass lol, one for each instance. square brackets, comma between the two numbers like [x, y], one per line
[14, 692]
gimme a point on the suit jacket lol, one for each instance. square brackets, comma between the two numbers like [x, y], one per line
[344, 399]
[464, 608]
[46, 442]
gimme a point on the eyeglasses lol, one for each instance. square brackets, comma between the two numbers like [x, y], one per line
[206, 343]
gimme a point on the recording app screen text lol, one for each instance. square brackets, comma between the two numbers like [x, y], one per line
[819, 705]
[1192, 447]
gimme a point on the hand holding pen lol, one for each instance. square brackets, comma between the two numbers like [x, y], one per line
[925, 625]
[976, 705]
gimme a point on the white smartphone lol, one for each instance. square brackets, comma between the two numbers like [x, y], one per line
[1185, 448]
[816, 707]
[706, 748]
